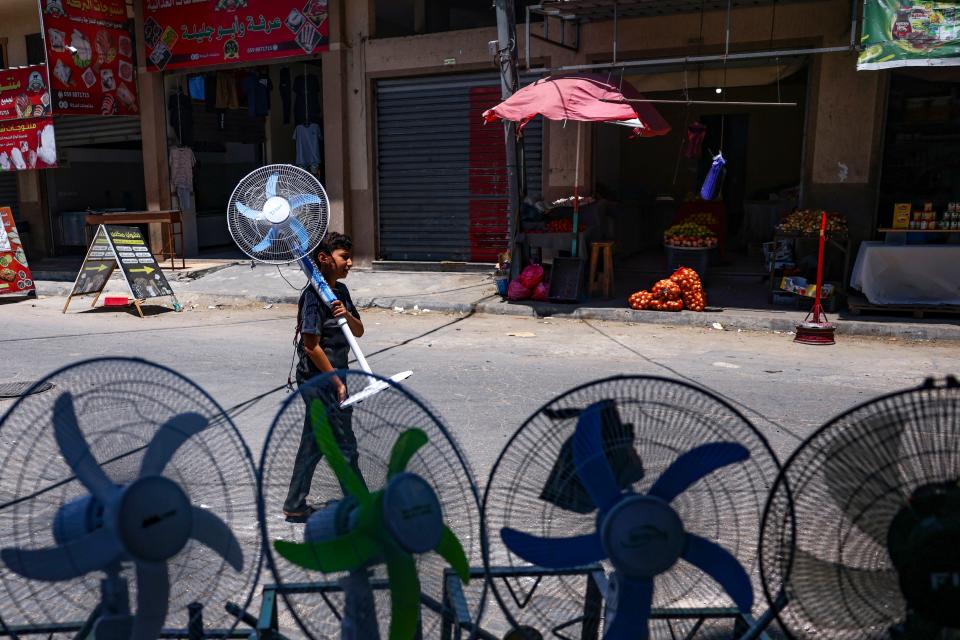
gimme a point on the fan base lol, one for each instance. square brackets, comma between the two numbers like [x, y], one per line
[815, 333]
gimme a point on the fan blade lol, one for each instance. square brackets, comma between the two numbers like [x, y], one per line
[303, 199]
[591, 460]
[631, 620]
[404, 594]
[168, 439]
[722, 566]
[76, 452]
[863, 478]
[264, 244]
[554, 553]
[348, 479]
[349, 551]
[214, 533]
[247, 212]
[694, 465]
[403, 449]
[72, 560]
[302, 234]
[272, 185]
[451, 550]
[836, 598]
[153, 591]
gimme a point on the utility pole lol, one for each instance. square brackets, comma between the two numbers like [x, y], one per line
[505, 53]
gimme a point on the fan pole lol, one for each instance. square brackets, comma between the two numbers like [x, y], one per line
[576, 197]
[815, 329]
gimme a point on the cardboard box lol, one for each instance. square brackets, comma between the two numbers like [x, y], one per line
[800, 286]
[901, 216]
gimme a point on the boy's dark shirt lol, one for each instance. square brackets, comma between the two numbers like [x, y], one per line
[317, 319]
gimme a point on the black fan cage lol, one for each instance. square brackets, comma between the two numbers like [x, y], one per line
[251, 192]
[120, 404]
[660, 419]
[377, 423]
[824, 536]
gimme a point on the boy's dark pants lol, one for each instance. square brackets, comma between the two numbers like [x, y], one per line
[308, 454]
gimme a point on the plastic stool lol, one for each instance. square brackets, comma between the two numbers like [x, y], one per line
[602, 280]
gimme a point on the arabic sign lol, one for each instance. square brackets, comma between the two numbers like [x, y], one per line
[180, 34]
[27, 144]
[139, 267]
[90, 55]
[902, 33]
[24, 93]
[97, 267]
[14, 273]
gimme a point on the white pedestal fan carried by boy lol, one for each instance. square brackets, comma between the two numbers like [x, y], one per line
[277, 215]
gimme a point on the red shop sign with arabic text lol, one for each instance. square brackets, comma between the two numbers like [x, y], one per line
[14, 273]
[24, 93]
[27, 144]
[199, 33]
[90, 55]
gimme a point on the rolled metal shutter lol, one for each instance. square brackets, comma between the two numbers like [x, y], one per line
[81, 131]
[441, 174]
[9, 193]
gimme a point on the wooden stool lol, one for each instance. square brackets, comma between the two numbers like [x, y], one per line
[602, 280]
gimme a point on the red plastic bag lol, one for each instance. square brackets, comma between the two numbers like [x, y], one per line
[531, 276]
[516, 291]
[540, 293]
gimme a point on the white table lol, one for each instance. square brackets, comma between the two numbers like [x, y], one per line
[908, 274]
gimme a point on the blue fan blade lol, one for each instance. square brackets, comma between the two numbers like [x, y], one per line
[264, 244]
[302, 234]
[306, 198]
[695, 464]
[591, 460]
[247, 212]
[272, 185]
[554, 553]
[722, 566]
[632, 615]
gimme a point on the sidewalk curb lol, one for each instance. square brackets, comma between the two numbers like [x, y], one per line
[493, 306]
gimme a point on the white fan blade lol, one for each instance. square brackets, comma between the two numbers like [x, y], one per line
[306, 198]
[168, 439]
[72, 560]
[247, 212]
[153, 591]
[272, 185]
[214, 533]
[74, 449]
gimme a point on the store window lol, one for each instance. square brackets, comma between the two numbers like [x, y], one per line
[396, 18]
[35, 49]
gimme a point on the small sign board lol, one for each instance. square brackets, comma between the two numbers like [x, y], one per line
[15, 275]
[117, 246]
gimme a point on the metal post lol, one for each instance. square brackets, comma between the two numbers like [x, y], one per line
[507, 58]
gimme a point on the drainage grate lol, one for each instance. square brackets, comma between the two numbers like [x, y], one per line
[17, 389]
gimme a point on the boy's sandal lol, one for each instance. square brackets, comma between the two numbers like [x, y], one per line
[299, 517]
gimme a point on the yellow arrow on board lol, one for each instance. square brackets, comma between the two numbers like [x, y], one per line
[102, 267]
[147, 270]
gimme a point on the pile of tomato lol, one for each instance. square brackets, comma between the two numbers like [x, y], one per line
[562, 225]
[681, 290]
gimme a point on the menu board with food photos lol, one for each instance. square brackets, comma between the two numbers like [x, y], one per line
[90, 56]
[15, 275]
[24, 93]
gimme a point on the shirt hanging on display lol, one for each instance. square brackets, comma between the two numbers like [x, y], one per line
[257, 87]
[307, 138]
[182, 161]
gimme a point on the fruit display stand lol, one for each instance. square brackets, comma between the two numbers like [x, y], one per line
[800, 232]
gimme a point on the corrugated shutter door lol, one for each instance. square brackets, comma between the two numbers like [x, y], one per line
[441, 174]
[9, 194]
[79, 131]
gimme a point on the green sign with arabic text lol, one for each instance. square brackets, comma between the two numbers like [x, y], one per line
[904, 33]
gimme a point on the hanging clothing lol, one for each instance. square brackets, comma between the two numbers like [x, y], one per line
[693, 148]
[227, 97]
[257, 87]
[306, 106]
[308, 138]
[182, 161]
[196, 87]
[285, 93]
[180, 109]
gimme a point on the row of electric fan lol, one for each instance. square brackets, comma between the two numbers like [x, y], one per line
[631, 507]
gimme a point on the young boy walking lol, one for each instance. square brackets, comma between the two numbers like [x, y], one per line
[321, 348]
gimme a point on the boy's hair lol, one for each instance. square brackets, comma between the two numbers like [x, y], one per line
[333, 241]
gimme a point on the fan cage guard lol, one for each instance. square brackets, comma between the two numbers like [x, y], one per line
[669, 418]
[377, 422]
[251, 191]
[823, 539]
[120, 404]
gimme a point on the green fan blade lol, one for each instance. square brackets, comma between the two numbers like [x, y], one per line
[403, 450]
[404, 593]
[329, 448]
[347, 552]
[451, 550]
